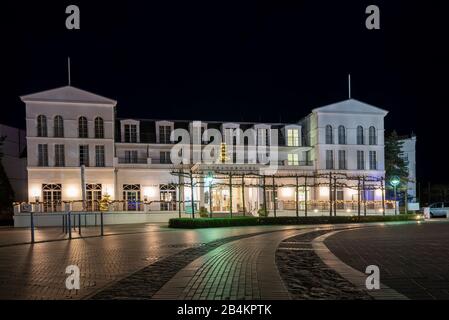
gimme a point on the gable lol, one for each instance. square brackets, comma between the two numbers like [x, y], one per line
[67, 94]
[351, 106]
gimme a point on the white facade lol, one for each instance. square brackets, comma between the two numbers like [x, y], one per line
[137, 168]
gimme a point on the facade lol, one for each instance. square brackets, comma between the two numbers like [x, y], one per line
[14, 160]
[79, 150]
[409, 154]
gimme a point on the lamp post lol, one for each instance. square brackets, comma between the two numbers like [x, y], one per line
[394, 183]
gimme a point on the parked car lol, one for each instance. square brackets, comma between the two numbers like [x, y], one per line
[439, 209]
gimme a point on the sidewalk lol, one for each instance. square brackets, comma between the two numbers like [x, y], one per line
[241, 269]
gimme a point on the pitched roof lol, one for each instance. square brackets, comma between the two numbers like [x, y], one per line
[351, 106]
[67, 94]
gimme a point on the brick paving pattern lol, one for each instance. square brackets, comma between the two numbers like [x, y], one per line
[38, 271]
[239, 270]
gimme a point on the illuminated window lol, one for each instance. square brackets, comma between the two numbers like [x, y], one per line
[292, 137]
[293, 159]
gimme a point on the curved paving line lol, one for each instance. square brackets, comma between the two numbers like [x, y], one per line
[354, 276]
[144, 283]
[238, 270]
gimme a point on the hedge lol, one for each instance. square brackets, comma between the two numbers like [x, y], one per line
[258, 221]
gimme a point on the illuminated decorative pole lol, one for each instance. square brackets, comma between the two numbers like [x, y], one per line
[274, 197]
[335, 196]
[330, 194]
[243, 194]
[179, 193]
[358, 196]
[297, 197]
[305, 196]
[364, 196]
[83, 186]
[383, 195]
[264, 189]
[230, 194]
[395, 182]
[191, 194]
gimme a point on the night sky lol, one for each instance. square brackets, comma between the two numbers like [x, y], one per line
[239, 61]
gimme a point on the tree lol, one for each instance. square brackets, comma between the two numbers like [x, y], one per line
[6, 191]
[395, 164]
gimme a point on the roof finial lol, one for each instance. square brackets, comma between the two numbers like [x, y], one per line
[349, 86]
[68, 68]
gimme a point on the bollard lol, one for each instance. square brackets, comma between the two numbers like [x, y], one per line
[32, 226]
[79, 224]
[101, 223]
[69, 227]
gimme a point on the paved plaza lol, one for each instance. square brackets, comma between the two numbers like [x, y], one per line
[155, 262]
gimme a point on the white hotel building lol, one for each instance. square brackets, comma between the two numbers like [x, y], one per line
[129, 159]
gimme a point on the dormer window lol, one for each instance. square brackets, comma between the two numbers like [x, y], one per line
[293, 137]
[164, 134]
[130, 131]
[163, 131]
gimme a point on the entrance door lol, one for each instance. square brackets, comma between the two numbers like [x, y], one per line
[131, 196]
[93, 197]
[52, 197]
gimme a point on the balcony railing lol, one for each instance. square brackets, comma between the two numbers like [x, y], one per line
[132, 160]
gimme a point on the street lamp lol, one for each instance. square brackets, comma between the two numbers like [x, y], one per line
[394, 181]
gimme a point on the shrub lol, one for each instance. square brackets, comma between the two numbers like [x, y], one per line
[255, 221]
[203, 212]
[262, 212]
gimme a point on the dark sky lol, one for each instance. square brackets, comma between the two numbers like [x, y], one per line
[246, 60]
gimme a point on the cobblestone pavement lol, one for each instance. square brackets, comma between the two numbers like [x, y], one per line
[307, 277]
[413, 258]
[241, 269]
[38, 271]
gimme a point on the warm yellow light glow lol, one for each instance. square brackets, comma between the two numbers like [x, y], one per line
[72, 192]
[315, 210]
[149, 192]
[348, 210]
[381, 210]
[35, 191]
[324, 191]
[287, 192]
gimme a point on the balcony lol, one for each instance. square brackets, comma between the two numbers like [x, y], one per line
[132, 160]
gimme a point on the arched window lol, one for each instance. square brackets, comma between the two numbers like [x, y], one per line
[329, 137]
[360, 139]
[99, 128]
[372, 136]
[41, 126]
[58, 127]
[82, 127]
[341, 135]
